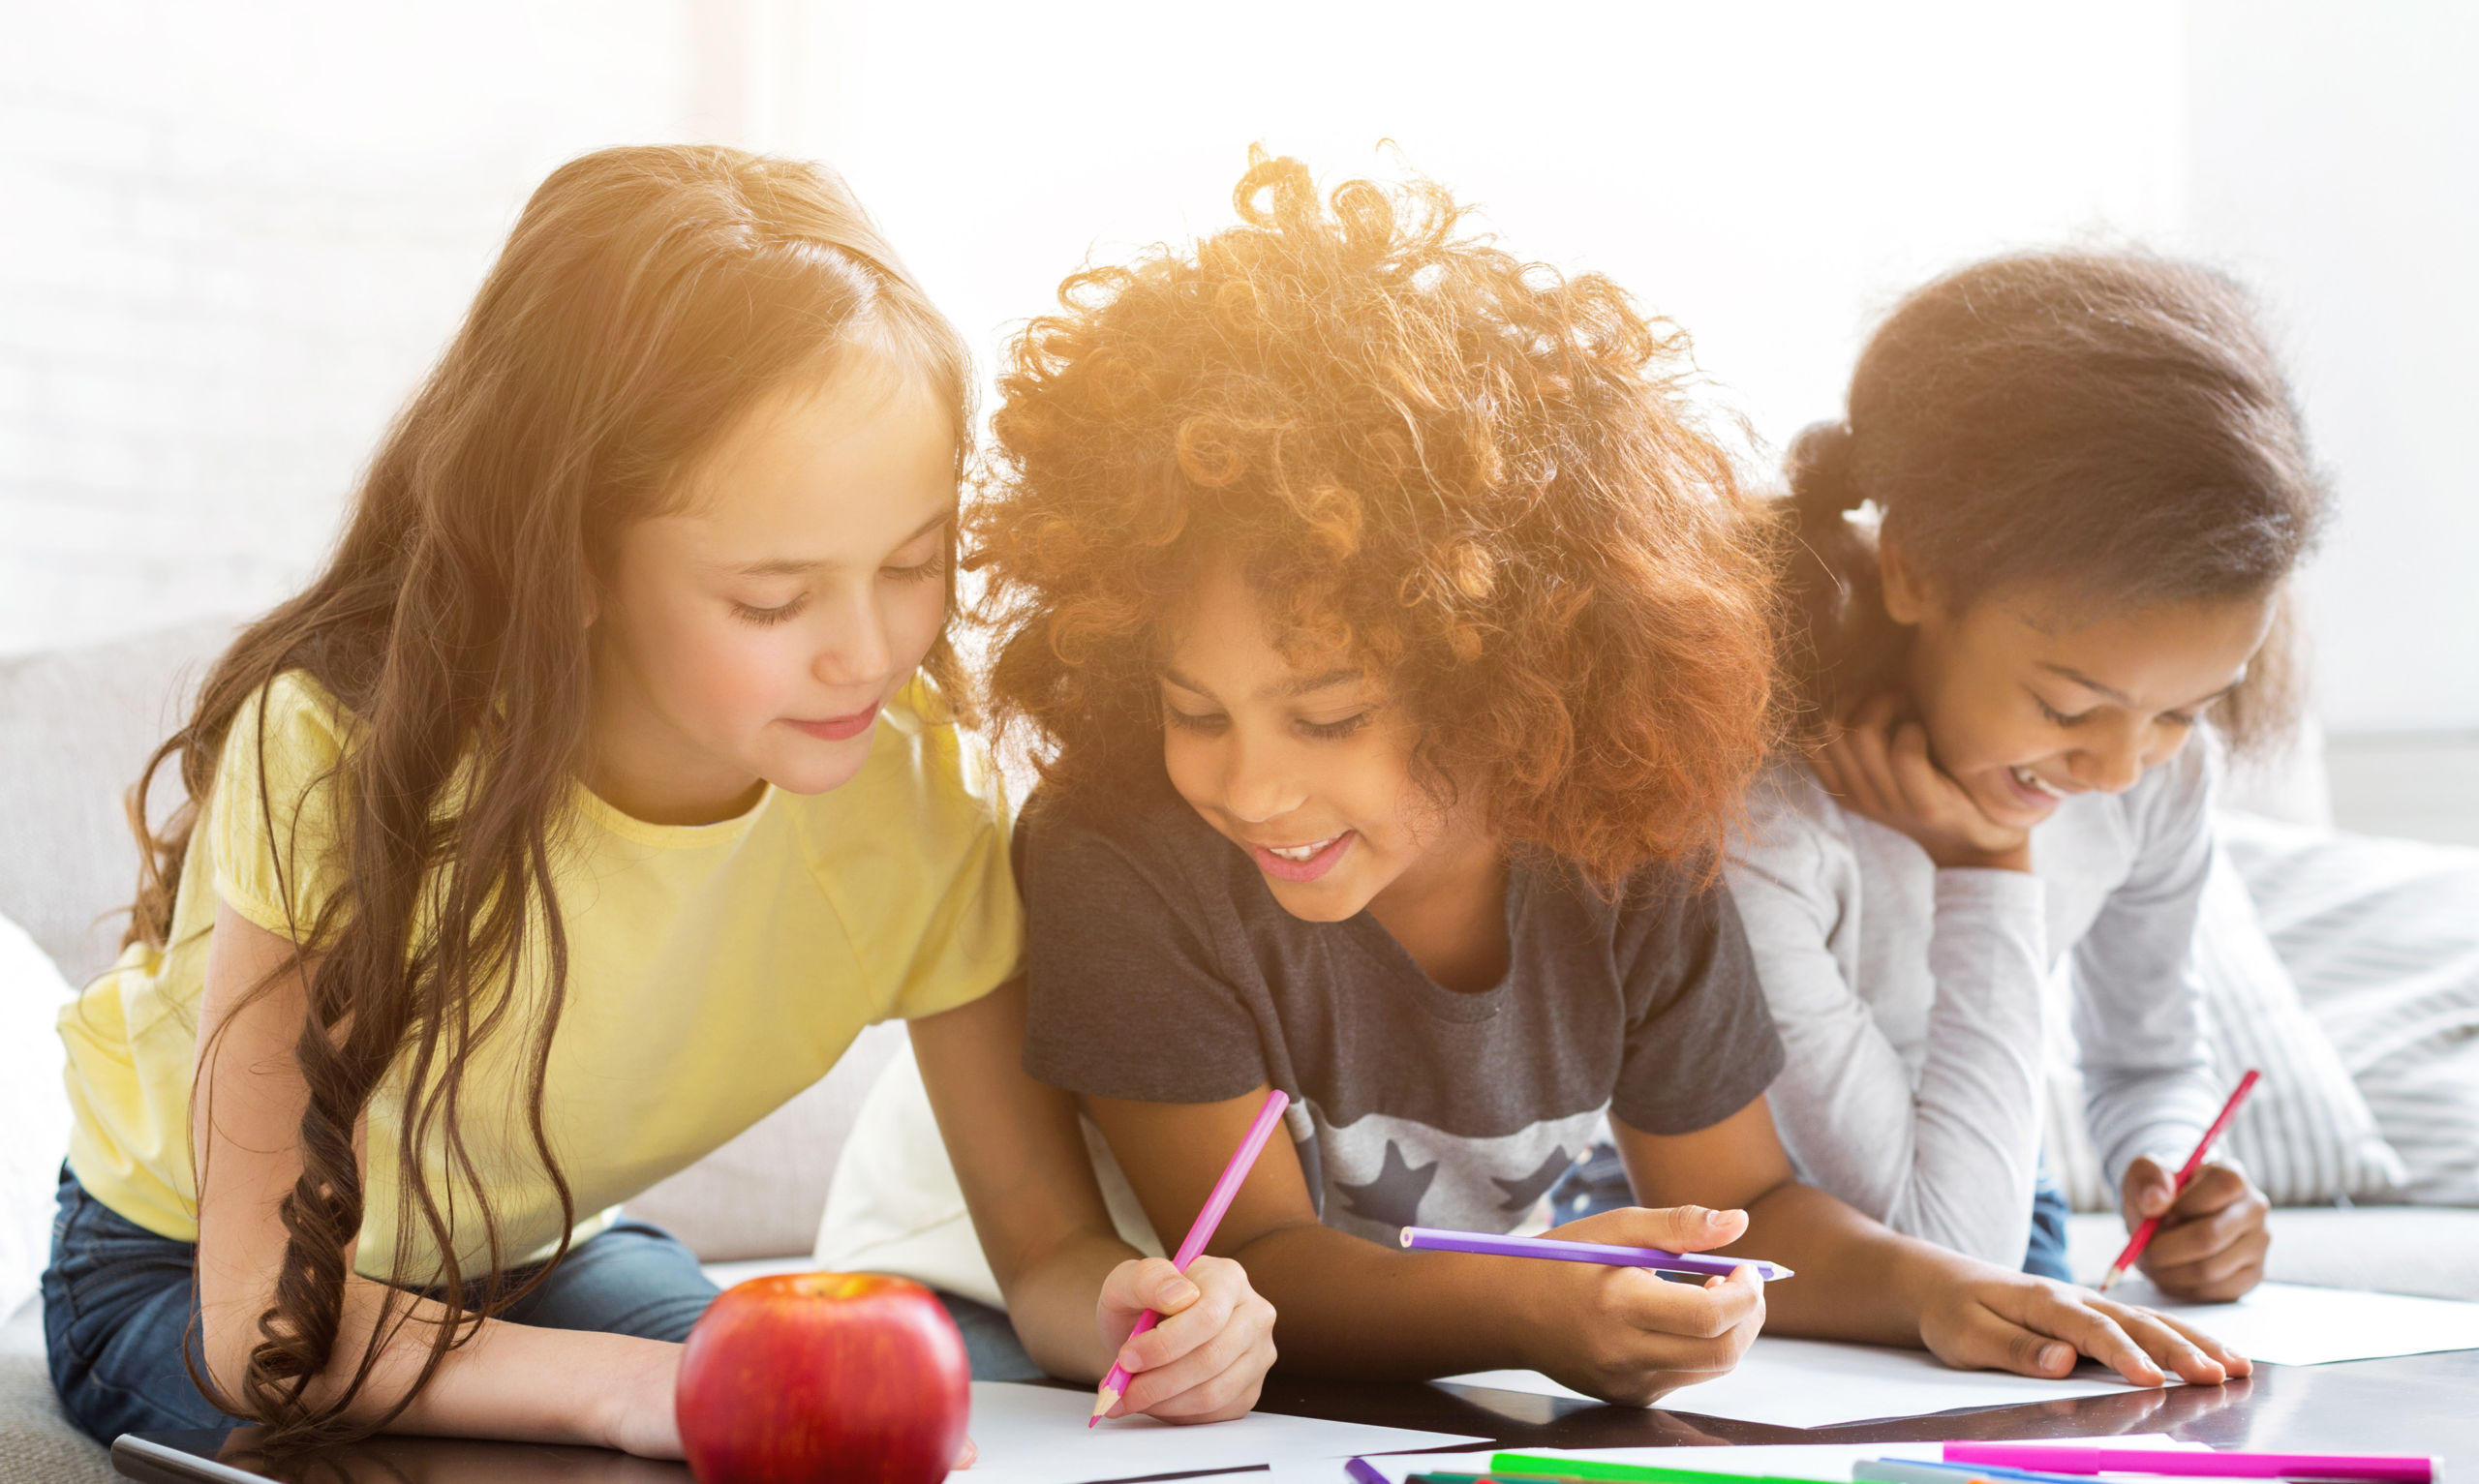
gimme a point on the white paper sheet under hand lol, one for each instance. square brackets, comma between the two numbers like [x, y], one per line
[1036, 1435]
[1817, 1383]
[2293, 1325]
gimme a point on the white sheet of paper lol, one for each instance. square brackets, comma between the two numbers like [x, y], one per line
[1818, 1383]
[2293, 1325]
[1036, 1435]
[1797, 1460]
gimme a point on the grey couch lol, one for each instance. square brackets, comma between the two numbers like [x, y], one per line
[74, 726]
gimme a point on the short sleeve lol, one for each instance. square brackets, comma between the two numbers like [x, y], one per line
[1700, 1042]
[272, 819]
[971, 939]
[1128, 999]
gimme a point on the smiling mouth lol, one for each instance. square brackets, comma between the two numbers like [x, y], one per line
[836, 728]
[2034, 784]
[1302, 853]
[1301, 863]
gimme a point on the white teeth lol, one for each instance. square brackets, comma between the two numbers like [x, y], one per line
[1301, 853]
[2031, 781]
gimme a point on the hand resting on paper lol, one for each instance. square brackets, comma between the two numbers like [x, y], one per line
[1205, 1359]
[2212, 1240]
[1996, 1320]
[1625, 1334]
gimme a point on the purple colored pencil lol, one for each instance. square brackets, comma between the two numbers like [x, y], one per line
[1430, 1239]
[1361, 1472]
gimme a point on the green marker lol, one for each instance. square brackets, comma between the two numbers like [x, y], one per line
[1504, 1464]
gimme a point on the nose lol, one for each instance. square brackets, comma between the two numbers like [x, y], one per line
[2111, 763]
[1257, 786]
[853, 648]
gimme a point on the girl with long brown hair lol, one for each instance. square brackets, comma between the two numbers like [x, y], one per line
[2085, 486]
[603, 786]
[1397, 649]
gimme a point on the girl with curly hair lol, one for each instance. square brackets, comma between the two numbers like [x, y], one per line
[2087, 486]
[1395, 648]
[584, 808]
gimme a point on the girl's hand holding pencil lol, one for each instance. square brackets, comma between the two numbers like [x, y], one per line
[2212, 1238]
[1206, 1357]
[1625, 1334]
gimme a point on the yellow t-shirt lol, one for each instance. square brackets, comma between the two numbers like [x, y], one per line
[713, 971]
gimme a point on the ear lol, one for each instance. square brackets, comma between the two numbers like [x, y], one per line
[1909, 597]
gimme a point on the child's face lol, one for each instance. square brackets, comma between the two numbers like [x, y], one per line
[1305, 766]
[2023, 710]
[754, 632]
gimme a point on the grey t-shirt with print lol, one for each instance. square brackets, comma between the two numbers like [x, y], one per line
[1162, 970]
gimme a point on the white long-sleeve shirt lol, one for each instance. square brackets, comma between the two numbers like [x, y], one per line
[1909, 998]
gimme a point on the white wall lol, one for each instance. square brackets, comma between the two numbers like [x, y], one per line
[252, 231]
[1769, 175]
[2333, 160]
[232, 238]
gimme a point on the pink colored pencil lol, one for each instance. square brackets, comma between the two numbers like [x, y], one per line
[2194, 1161]
[2194, 1462]
[1242, 1160]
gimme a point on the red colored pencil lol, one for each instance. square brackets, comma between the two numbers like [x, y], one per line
[2194, 1161]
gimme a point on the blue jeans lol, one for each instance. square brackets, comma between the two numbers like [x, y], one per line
[2046, 1256]
[1599, 1183]
[119, 1308]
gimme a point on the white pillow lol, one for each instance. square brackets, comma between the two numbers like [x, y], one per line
[34, 1111]
[2382, 938]
[2305, 1135]
[893, 1205]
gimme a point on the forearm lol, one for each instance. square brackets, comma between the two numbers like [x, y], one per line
[508, 1381]
[1347, 1307]
[2148, 1076]
[1943, 1146]
[1051, 1300]
[1856, 1280]
[1976, 1123]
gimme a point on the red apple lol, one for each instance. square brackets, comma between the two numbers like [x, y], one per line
[854, 1376]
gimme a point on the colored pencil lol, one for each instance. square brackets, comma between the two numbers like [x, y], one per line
[1428, 1239]
[2194, 1161]
[1503, 1464]
[1361, 1471]
[2196, 1463]
[1908, 1471]
[1242, 1160]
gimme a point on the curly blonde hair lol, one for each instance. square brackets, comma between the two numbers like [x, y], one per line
[1480, 477]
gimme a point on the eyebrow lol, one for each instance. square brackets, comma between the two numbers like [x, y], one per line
[2120, 697]
[795, 566]
[1304, 686]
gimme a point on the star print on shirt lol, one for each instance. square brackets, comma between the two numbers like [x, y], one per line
[1522, 1194]
[1393, 1197]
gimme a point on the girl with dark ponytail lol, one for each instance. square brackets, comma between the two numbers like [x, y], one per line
[579, 813]
[2048, 540]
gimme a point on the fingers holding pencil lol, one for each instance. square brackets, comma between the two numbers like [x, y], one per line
[2212, 1239]
[1205, 1359]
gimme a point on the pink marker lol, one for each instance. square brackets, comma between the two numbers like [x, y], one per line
[2196, 1463]
[1242, 1160]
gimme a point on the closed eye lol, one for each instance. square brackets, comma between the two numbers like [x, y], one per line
[2058, 717]
[1335, 731]
[1214, 722]
[921, 571]
[768, 617]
